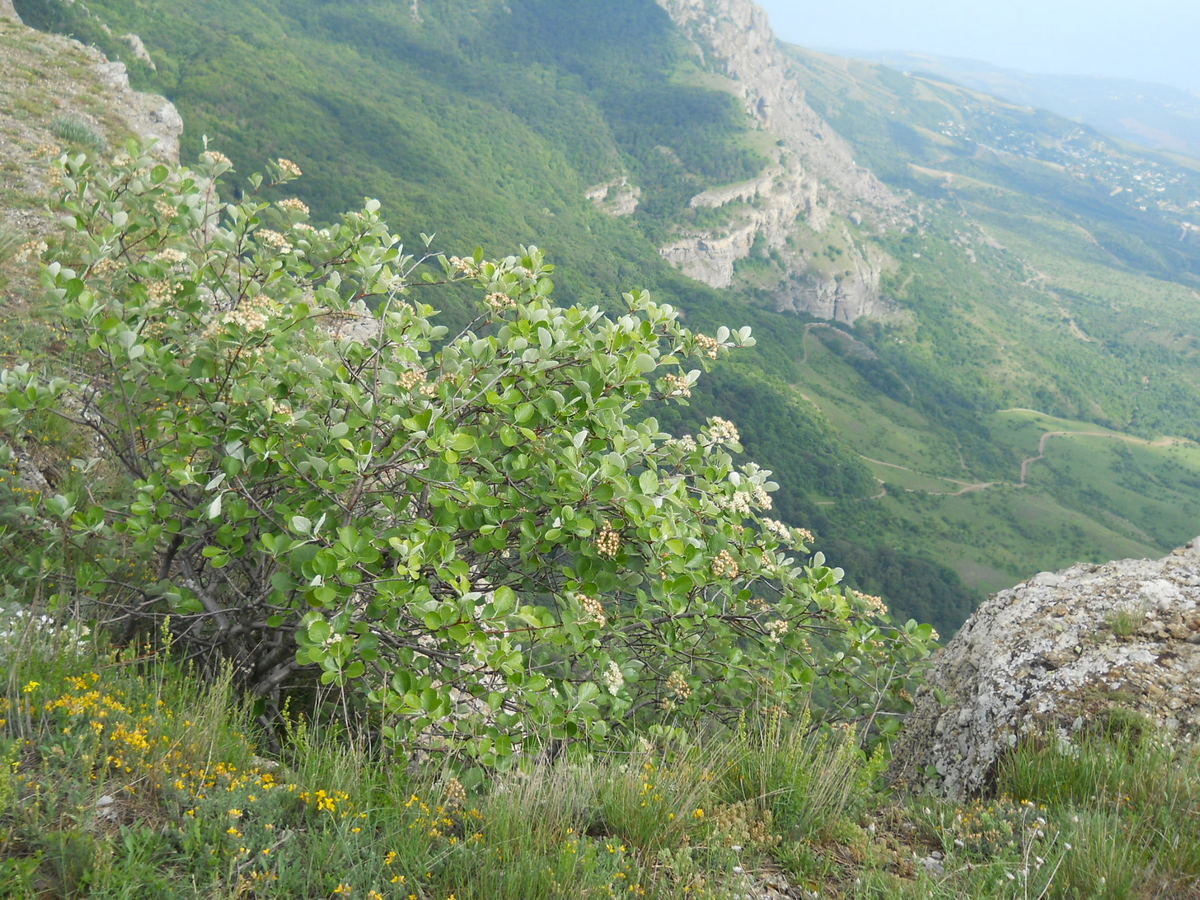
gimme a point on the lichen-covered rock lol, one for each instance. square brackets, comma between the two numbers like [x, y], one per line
[151, 117]
[1052, 655]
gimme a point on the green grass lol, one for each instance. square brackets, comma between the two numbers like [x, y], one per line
[123, 772]
[77, 133]
[126, 775]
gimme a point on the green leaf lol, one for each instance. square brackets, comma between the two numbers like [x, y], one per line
[504, 599]
[318, 631]
[648, 482]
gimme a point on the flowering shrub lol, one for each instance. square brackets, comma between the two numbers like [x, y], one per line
[479, 533]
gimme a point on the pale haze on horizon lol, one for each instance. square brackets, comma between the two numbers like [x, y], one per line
[1151, 40]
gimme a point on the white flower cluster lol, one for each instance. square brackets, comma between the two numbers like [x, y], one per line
[215, 158]
[608, 542]
[275, 239]
[176, 260]
[251, 315]
[722, 431]
[725, 566]
[499, 301]
[31, 250]
[411, 378]
[871, 603]
[18, 625]
[777, 529]
[294, 205]
[613, 679]
[739, 503]
[465, 266]
[678, 385]
[593, 610]
[710, 347]
[160, 292]
[678, 685]
[687, 443]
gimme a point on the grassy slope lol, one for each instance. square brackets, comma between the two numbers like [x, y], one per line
[120, 773]
[1030, 287]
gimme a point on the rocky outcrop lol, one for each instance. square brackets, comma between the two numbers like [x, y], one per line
[773, 201]
[616, 198]
[735, 39]
[138, 47]
[1053, 656]
[149, 116]
[74, 85]
[844, 297]
[814, 180]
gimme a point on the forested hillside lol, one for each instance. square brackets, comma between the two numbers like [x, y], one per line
[1023, 290]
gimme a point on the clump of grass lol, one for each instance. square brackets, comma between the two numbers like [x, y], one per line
[1128, 801]
[122, 769]
[10, 242]
[1125, 622]
[78, 133]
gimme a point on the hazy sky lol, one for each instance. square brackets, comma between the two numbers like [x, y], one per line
[1151, 40]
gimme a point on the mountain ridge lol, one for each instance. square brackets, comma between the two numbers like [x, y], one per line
[1155, 115]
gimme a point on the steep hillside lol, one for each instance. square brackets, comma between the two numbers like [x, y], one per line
[55, 95]
[939, 279]
[585, 130]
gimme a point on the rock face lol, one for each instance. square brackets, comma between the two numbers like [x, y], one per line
[151, 117]
[814, 181]
[1052, 655]
[617, 197]
[735, 39]
[777, 198]
[7, 11]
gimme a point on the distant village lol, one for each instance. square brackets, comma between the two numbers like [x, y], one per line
[1142, 184]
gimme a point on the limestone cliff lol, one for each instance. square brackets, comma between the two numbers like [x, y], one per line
[617, 197]
[813, 188]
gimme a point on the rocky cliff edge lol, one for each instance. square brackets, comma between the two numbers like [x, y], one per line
[1053, 657]
[55, 86]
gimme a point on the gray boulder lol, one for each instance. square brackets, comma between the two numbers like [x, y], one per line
[1052, 656]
